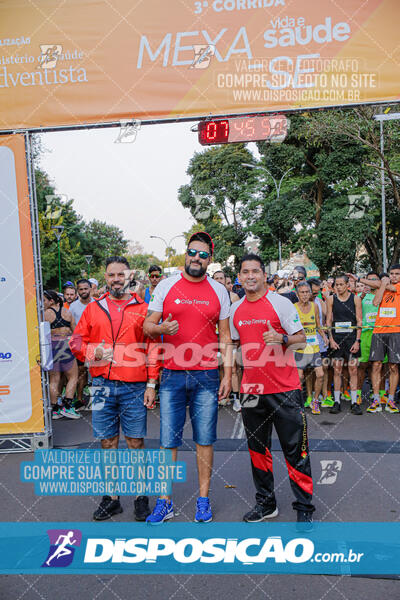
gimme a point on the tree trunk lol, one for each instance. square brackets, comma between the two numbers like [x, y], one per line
[396, 252]
[319, 200]
[374, 253]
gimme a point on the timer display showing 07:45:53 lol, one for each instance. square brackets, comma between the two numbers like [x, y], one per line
[243, 129]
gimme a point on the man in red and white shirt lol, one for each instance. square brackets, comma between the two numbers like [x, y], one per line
[191, 306]
[265, 323]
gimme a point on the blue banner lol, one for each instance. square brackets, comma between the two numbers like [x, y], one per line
[90, 472]
[330, 548]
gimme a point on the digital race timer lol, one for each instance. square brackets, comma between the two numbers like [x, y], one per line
[243, 129]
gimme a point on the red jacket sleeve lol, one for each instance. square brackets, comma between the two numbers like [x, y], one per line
[154, 361]
[79, 342]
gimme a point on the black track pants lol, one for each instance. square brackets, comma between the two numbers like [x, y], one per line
[285, 411]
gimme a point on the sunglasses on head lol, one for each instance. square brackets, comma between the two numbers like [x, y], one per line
[202, 254]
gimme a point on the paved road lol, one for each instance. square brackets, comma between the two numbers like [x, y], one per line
[365, 451]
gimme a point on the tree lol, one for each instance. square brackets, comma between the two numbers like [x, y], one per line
[78, 239]
[322, 207]
[54, 211]
[219, 189]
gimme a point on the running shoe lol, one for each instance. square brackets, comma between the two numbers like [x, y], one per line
[315, 409]
[142, 509]
[70, 413]
[237, 407]
[391, 407]
[335, 409]
[304, 520]
[162, 511]
[203, 512]
[375, 406]
[55, 413]
[260, 513]
[384, 397]
[307, 403]
[346, 396]
[108, 507]
[78, 405]
[327, 402]
[356, 409]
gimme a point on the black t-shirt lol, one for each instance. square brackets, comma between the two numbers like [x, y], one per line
[292, 296]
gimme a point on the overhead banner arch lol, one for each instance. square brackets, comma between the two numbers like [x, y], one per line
[95, 62]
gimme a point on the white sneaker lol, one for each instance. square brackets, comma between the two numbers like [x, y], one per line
[237, 407]
[70, 413]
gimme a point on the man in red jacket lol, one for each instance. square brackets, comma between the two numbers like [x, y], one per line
[110, 336]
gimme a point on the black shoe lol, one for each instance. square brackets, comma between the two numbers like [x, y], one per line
[142, 509]
[260, 513]
[108, 507]
[304, 520]
[356, 409]
[335, 409]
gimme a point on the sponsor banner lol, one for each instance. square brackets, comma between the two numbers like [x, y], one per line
[102, 472]
[351, 549]
[21, 406]
[113, 61]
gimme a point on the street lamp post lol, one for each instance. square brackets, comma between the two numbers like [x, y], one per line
[88, 258]
[58, 231]
[384, 117]
[167, 244]
[278, 191]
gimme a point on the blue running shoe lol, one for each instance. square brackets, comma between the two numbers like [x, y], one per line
[203, 513]
[162, 511]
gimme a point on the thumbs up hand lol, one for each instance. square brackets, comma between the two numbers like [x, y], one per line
[271, 336]
[102, 353]
[170, 327]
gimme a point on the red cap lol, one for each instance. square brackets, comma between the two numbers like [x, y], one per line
[208, 235]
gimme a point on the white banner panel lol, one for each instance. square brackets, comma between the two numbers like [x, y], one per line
[20, 383]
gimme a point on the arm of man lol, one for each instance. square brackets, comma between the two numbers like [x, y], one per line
[226, 348]
[319, 326]
[356, 346]
[153, 329]
[384, 286]
[329, 322]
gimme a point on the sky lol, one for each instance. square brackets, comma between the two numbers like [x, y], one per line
[131, 185]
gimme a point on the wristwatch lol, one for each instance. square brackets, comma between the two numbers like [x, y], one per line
[151, 385]
[285, 339]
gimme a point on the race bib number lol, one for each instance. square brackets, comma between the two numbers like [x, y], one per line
[370, 318]
[311, 339]
[389, 313]
[343, 327]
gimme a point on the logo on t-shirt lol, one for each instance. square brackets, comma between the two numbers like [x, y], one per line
[188, 301]
[252, 322]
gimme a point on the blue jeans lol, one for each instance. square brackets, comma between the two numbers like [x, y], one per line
[199, 389]
[115, 404]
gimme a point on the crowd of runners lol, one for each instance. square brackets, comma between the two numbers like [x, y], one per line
[270, 346]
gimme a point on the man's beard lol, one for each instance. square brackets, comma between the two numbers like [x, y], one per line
[199, 272]
[118, 293]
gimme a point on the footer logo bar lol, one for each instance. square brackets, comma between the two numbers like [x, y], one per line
[330, 548]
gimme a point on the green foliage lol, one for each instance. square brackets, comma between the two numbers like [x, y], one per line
[219, 189]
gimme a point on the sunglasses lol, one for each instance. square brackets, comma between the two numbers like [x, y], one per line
[154, 275]
[202, 254]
